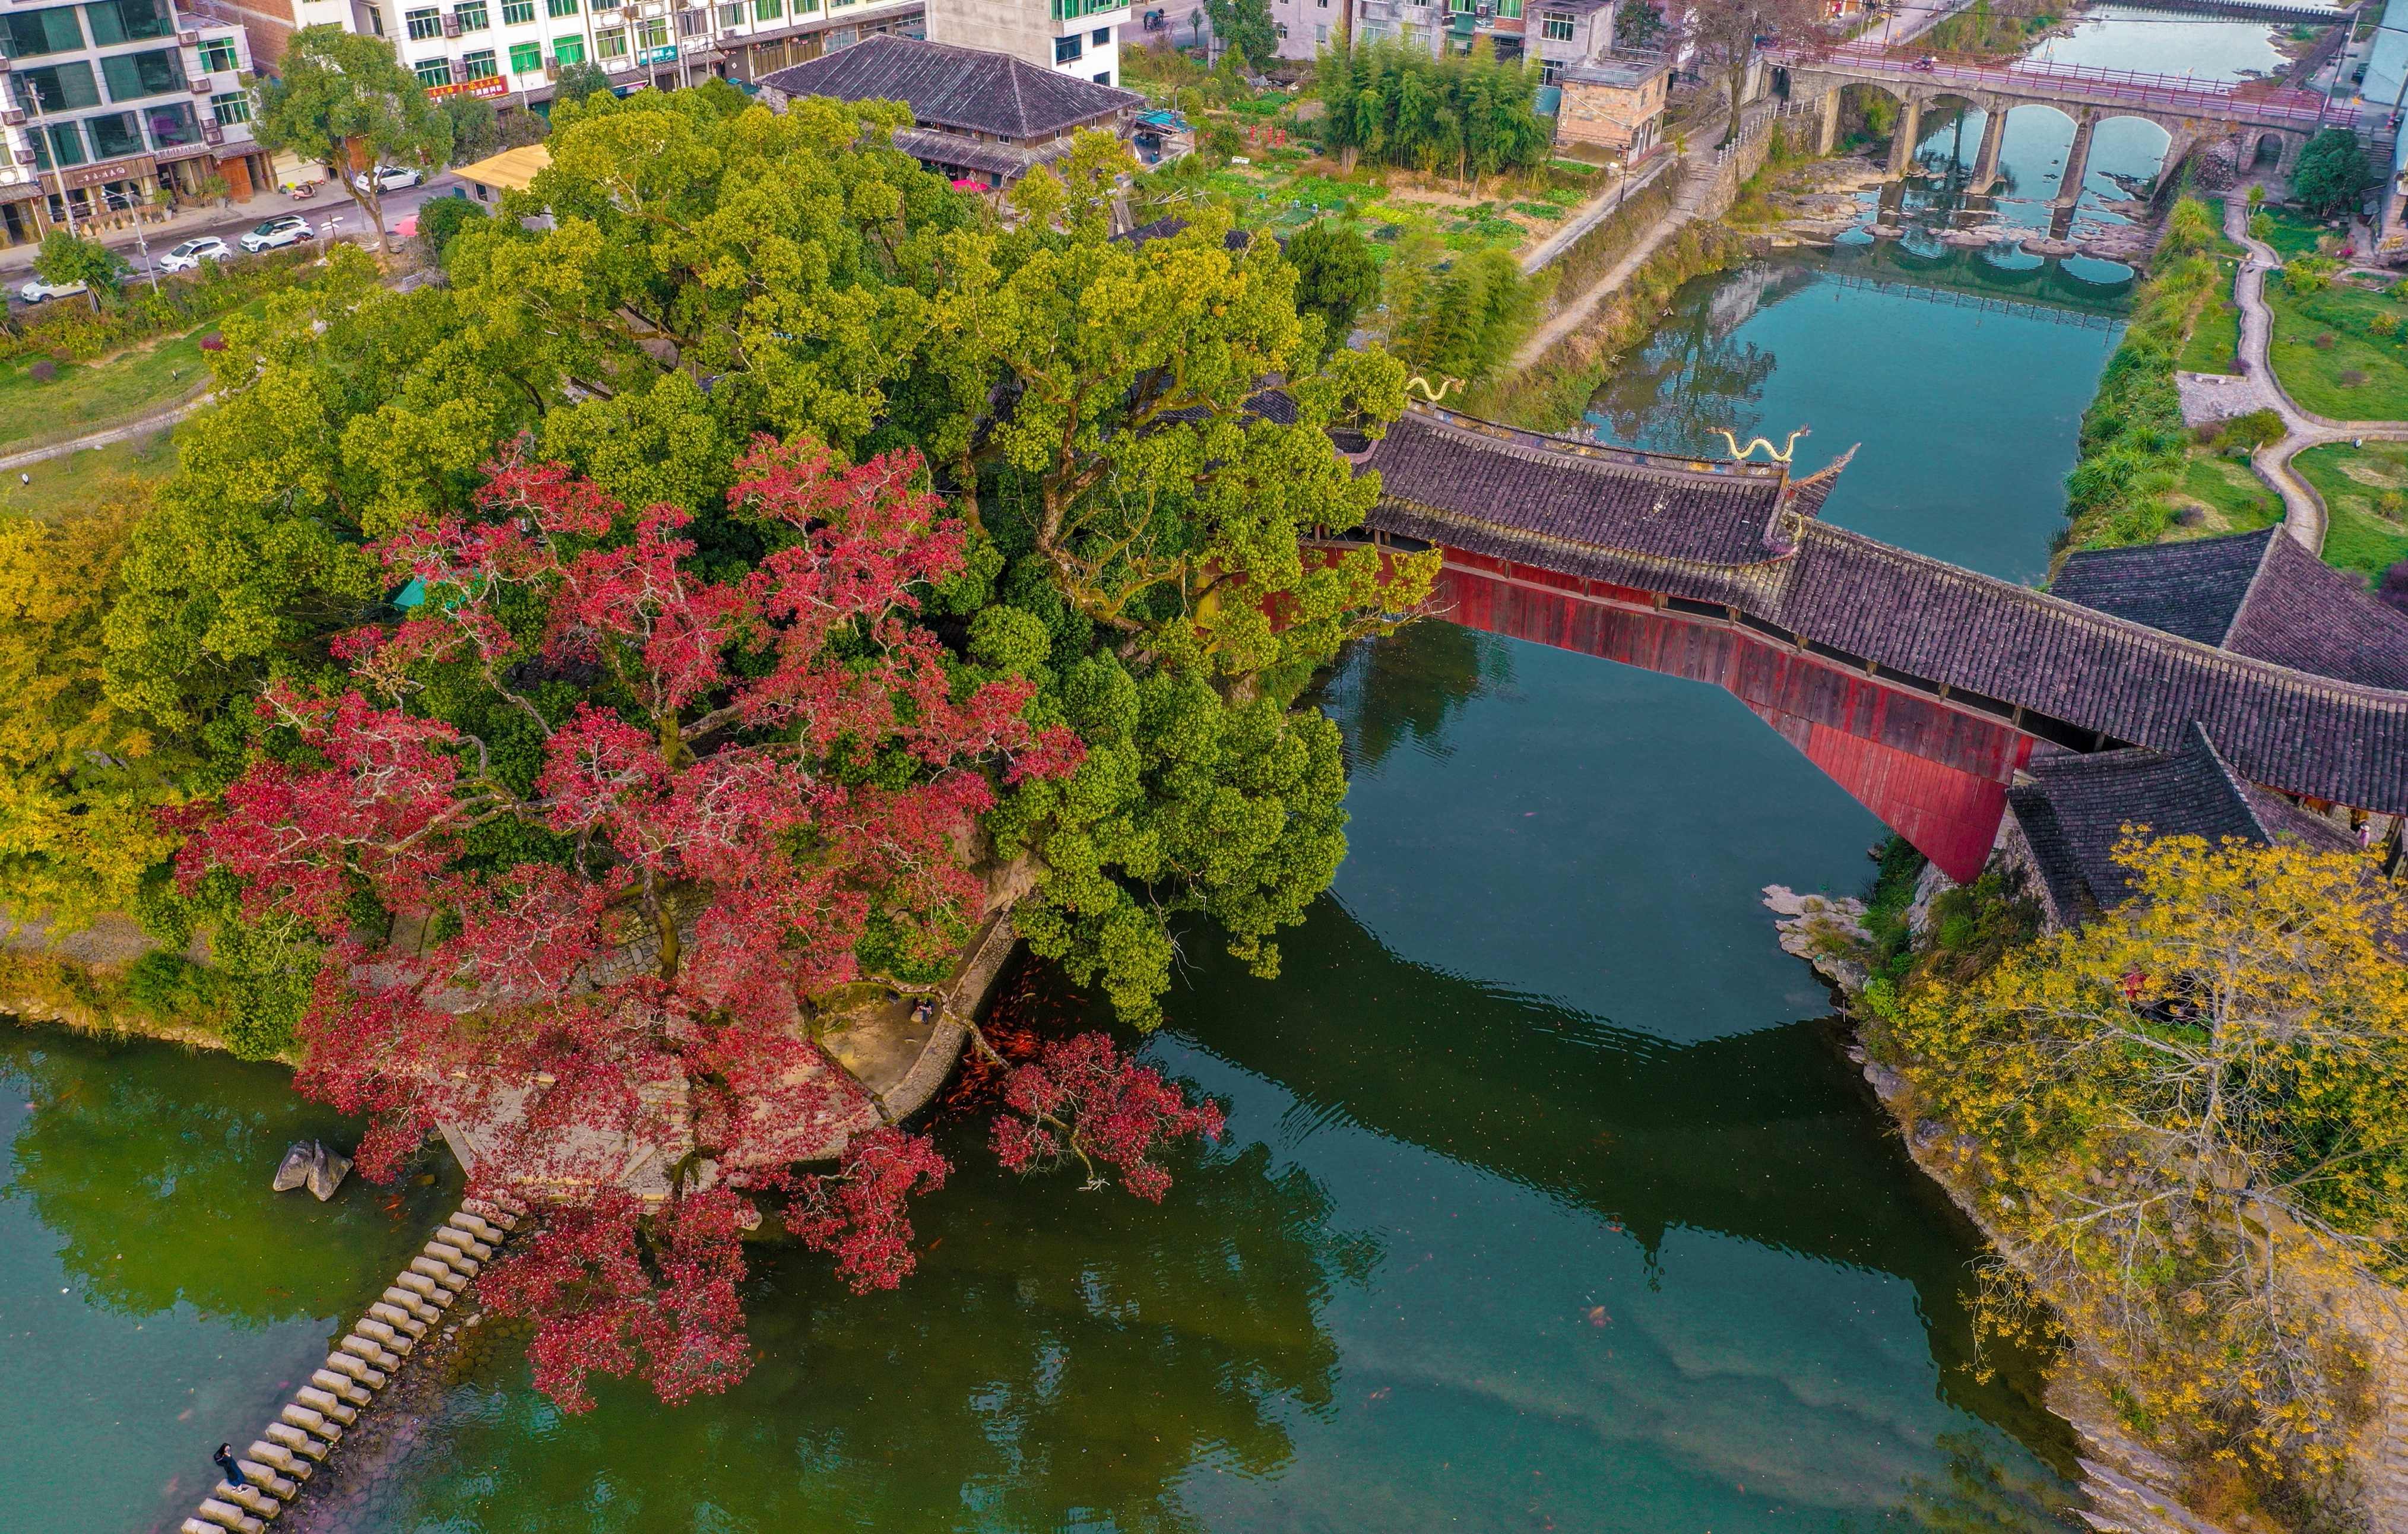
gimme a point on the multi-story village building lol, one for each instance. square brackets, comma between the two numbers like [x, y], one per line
[510, 51]
[1079, 38]
[1553, 36]
[105, 106]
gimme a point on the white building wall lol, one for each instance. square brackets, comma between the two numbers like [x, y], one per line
[1080, 37]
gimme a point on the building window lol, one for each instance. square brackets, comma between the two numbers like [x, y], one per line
[569, 50]
[611, 45]
[1509, 10]
[424, 25]
[602, 4]
[517, 13]
[561, 7]
[1104, 79]
[1463, 8]
[1321, 35]
[63, 145]
[1069, 50]
[1550, 72]
[376, 19]
[691, 23]
[652, 34]
[526, 57]
[1555, 27]
[60, 87]
[230, 108]
[32, 32]
[472, 16]
[1102, 36]
[115, 21]
[731, 16]
[115, 133]
[218, 55]
[769, 10]
[479, 66]
[173, 124]
[133, 76]
[433, 72]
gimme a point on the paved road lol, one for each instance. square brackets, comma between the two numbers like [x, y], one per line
[328, 206]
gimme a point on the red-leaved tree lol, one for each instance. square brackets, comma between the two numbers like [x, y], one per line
[1082, 1097]
[583, 841]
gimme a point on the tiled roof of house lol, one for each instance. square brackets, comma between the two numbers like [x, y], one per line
[1577, 509]
[965, 89]
[2074, 811]
[2254, 593]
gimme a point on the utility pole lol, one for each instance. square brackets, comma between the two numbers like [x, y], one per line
[141, 245]
[31, 98]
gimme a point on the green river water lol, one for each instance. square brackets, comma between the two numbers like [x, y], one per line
[1548, 1203]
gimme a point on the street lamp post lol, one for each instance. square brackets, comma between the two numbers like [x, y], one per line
[32, 98]
[114, 199]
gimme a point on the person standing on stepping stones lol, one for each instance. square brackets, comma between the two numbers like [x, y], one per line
[224, 1458]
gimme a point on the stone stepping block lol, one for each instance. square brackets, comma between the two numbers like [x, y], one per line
[193, 1526]
[227, 1515]
[249, 1499]
[260, 1477]
[484, 1230]
[410, 1303]
[452, 1258]
[278, 1457]
[294, 1440]
[325, 1405]
[344, 1363]
[311, 1423]
[461, 1241]
[342, 1387]
[369, 1352]
[492, 1213]
[429, 1293]
[436, 1272]
[397, 1316]
[385, 1335]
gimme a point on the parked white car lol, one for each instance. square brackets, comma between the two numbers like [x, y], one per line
[189, 255]
[390, 179]
[290, 229]
[37, 291]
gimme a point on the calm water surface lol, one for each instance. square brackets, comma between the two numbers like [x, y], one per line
[1549, 1202]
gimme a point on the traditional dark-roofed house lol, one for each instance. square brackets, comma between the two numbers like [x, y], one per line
[2064, 822]
[979, 116]
[2253, 594]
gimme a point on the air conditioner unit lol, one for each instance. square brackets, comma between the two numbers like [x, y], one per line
[24, 157]
[451, 26]
[212, 134]
[14, 117]
[552, 67]
[187, 39]
[202, 87]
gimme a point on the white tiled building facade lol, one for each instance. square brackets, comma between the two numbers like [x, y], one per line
[104, 104]
[1078, 38]
[509, 50]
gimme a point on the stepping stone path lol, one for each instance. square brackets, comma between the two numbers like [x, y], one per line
[292, 1447]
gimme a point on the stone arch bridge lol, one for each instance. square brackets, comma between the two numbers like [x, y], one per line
[1922, 688]
[2190, 111]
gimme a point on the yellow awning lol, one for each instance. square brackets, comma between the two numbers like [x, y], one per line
[509, 171]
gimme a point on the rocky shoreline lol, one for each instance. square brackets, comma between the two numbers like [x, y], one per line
[2130, 1487]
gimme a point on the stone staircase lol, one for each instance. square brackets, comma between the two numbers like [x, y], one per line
[314, 1421]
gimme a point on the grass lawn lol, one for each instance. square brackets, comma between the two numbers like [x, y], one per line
[2231, 498]
[2214, 343]
[72, 481]
[87, 396]
[2294, 233]
[2320, 379]
[2365, 536]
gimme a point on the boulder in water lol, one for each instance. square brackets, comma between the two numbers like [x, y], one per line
[311, 1164]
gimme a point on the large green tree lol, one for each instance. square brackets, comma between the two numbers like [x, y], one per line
[1337, 277]
[345, 100]
[1098, 412]
[1245, 27]
[2332, 172]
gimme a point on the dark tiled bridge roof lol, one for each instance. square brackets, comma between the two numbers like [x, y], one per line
[2318, 709]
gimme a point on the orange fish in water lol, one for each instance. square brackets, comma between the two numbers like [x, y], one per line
[1596, 1316]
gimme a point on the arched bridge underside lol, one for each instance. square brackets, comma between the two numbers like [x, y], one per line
[1918, 686]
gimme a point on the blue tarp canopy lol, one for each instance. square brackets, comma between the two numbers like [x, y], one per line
[1162, 122]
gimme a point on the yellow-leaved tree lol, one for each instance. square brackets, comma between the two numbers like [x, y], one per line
[2189, 1122]
[80, 774]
